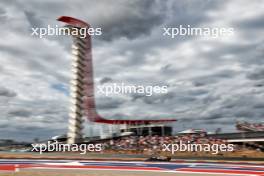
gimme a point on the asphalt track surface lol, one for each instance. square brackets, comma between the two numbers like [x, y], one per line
[138, 168]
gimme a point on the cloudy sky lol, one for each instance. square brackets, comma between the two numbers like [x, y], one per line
[213, 82]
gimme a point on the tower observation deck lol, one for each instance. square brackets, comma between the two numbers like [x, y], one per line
[82, 86]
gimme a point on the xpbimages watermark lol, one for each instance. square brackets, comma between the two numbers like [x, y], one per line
[60, 147]
[195, 147]
[115, 88]
[56, 30]
[188, 30]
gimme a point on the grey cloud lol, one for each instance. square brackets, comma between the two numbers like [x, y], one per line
[258, 84]
[4, 92]
[255, 23]
[223, 121]
[212, 78]
[33, 20]
[2, 11]
[134, 21]
[234, 108]
[4, 126]
[259, 106]
[154, 99]
[119, 116]
[29, 133]
[198, 92]
[3, 16]
[137, 96]
[108, 103]
[168, 69]
[105, 80]
[29, 59]
[256, 74]
[20, 113]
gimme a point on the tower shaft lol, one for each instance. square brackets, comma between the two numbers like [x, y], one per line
[77, 93]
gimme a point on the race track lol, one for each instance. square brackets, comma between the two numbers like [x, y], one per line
[185, 168]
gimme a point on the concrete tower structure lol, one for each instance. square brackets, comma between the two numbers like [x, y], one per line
[79, 80]
[82, 87]
[77, 92]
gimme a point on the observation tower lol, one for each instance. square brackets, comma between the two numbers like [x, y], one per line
[82, 87]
